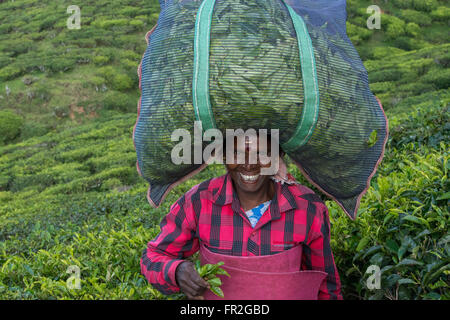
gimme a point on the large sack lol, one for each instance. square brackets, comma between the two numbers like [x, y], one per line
[270, 64]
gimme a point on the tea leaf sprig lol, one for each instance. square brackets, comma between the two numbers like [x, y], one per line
[209, 272]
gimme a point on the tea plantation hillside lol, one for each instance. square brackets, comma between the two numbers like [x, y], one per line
[50, 74]
[53, 76]
[70, 194]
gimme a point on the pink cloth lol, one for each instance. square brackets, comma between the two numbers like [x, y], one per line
[270, 277]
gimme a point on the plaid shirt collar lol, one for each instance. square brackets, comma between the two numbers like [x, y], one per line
[282, 201]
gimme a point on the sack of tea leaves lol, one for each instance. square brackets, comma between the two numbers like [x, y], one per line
[261, 64]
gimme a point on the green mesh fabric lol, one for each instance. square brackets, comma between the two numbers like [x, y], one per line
[256, 81]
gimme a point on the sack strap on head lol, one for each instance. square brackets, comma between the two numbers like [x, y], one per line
[200, 83]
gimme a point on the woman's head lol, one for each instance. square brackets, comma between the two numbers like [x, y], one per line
[250, 176]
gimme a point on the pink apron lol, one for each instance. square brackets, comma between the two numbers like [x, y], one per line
[269, 277]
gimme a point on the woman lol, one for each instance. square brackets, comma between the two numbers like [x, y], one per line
[244, 214]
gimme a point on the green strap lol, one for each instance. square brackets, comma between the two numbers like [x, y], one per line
[310, 112]
[200, 83]
[200, 86]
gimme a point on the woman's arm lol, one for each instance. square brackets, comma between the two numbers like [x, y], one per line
[317, 254]
[175, 241]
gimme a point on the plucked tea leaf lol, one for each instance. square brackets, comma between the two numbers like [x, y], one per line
[215, 282]
[217, 291]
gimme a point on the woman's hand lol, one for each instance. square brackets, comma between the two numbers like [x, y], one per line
[190, 281]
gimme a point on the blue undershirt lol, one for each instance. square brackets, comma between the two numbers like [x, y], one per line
[256, 213]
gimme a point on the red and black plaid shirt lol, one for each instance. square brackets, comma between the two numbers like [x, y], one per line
[211, 213]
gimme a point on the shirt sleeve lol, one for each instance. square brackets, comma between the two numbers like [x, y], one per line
[317, 255]
[163, 254]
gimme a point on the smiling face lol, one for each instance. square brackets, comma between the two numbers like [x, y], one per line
[247, 177]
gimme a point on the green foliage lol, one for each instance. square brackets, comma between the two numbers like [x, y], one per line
[412, 29]
[379, 87]
[137, 24]
[5, 60]
[382, 52]
[403, 3]
[107, 24]
[100, 60]
[424, 5]
[70, 193]
[115, 100]
[438, 77]
[32, 129]
[414, 16]
[411, 239]
[441, 14]
[10, 126]
[41, 91]
[62, 65]
[110, 184]
[395, 26]
[96, 82]
[414, 73]
[130, 11]
[357, 34]
[409, 44]
[16, 47]
[35, 40]
[402, 225]
[432, 129]
[420, 5]
[11, 72]
[403, 222]
[121, 82]
[116, 79]
[209, 272]
[48, 22]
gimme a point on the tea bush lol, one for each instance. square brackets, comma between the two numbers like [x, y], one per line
[418, 17]
[357, 34]
[381, 52]
[439, 78]
[441, 14]
[11, 71]
[409, 44]
[115, 100]
[412, 29]
[100, 60]
[121, 82]
[4, 60]
[395, 27]
[403, 227]
[137, 24]
[414, 73]
[420, 5]
[10, 126]
[16, 47]
[424, 5]
[116, 78]
[32, 129]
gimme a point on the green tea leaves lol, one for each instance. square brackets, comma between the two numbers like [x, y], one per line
[209, 272]
[217, 291]
[215, 282]
[372, 139]
[362, 244]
